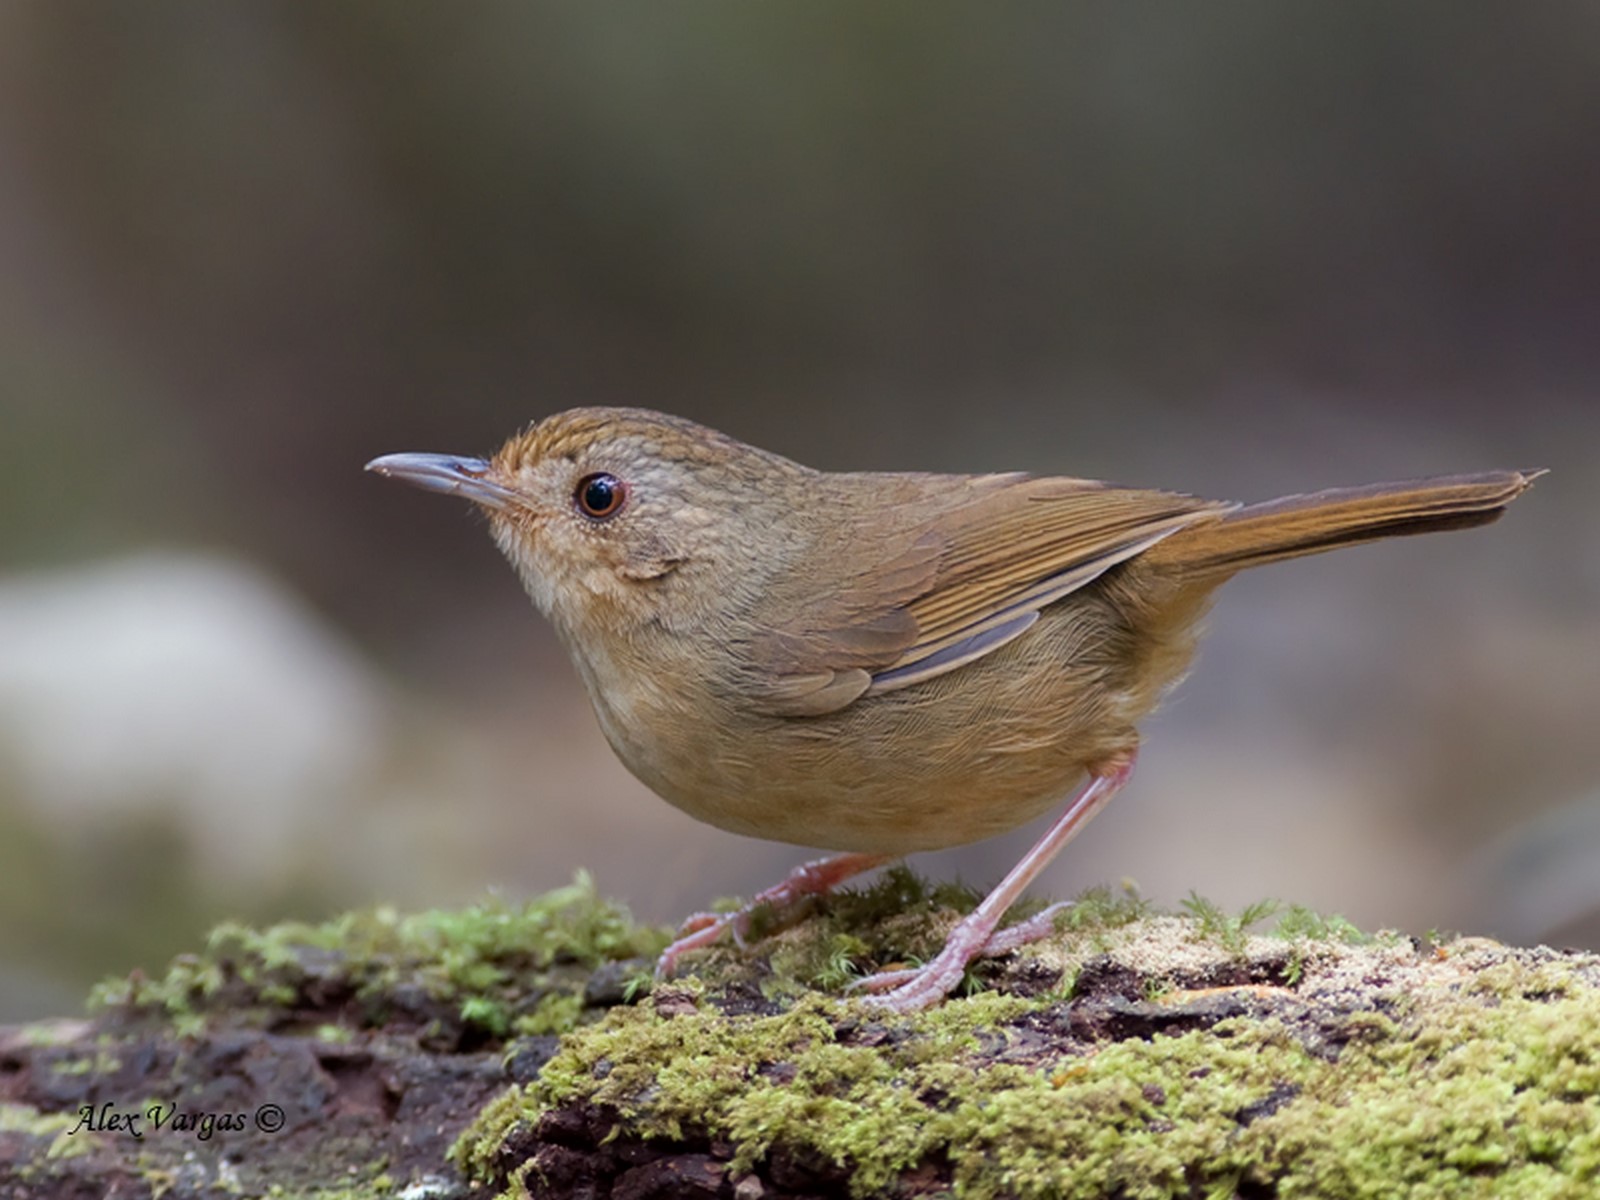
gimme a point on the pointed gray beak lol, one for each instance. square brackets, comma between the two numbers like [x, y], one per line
[466, 477]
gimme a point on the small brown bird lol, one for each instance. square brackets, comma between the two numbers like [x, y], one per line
[880, 663]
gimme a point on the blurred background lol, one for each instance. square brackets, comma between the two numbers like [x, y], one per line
[1240, 250]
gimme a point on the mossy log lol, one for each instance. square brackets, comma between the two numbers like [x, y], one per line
[521, 1051]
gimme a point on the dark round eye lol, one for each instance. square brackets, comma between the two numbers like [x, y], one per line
[600, 496]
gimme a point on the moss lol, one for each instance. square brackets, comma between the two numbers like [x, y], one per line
[792, 1081]
[1473, 1071]
[898, 919]
[1301, 923]
[1230, 931]
[1501, 1100]
[1101, 908]
[99, 1063]
[701, 1063]
[487, 1014]
[1458, 1100]
[24, 1118]
[497, 970]
[1180, 1066]
[556, 1012]
[479, 966]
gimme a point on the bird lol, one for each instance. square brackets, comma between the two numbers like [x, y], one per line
[880, 663]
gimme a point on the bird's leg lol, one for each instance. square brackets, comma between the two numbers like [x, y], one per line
[1002, 941]
[812, 879]
[975, 936]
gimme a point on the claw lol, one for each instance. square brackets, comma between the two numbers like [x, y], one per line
[884, 980]
[699, 920]
[812, 879]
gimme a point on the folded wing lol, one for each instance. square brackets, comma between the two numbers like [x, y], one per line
[920, 600]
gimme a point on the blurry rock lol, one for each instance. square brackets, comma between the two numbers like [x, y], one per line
[192, 687]
[1538, 881]
[1519, 794]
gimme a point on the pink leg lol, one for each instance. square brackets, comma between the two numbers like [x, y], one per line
[908, 991]
[813, 879]
[1002, 941]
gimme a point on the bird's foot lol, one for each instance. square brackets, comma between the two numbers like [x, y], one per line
[919, 987]
[915, 988]
[812, 879]
[975, 936]
[1037, 927]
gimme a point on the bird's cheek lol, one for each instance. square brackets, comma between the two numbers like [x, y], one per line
[513, 542]
[650, 558]
[533, 565]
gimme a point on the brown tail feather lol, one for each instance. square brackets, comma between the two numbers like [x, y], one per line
[1296, 525]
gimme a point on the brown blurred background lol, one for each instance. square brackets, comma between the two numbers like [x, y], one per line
[1240, 249]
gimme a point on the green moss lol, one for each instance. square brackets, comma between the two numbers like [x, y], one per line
[24, 1118]
[556, 1012]
[1100, 909]
[1299, 922]
[1458, 1100]
[702, 1063]
[495, 969]
[1482, 1083]
[898, 919]
[1088, 1129]
[480, 964]
[96, 1059]
[60, 1128]
[1230, 931]
[487, 1014]
[1475, 1073]
[1501, 1100]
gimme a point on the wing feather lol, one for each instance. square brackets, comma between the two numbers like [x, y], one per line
[972, 576]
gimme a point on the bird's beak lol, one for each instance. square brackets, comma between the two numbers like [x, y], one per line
[467, 477]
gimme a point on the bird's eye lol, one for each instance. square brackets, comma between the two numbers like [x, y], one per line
[600, 496]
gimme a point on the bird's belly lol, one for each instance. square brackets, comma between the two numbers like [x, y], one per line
[955, 760]
[847, 810]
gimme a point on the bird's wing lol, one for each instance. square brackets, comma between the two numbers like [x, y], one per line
[912, 603]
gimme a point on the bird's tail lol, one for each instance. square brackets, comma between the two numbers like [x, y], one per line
[1310, 524]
